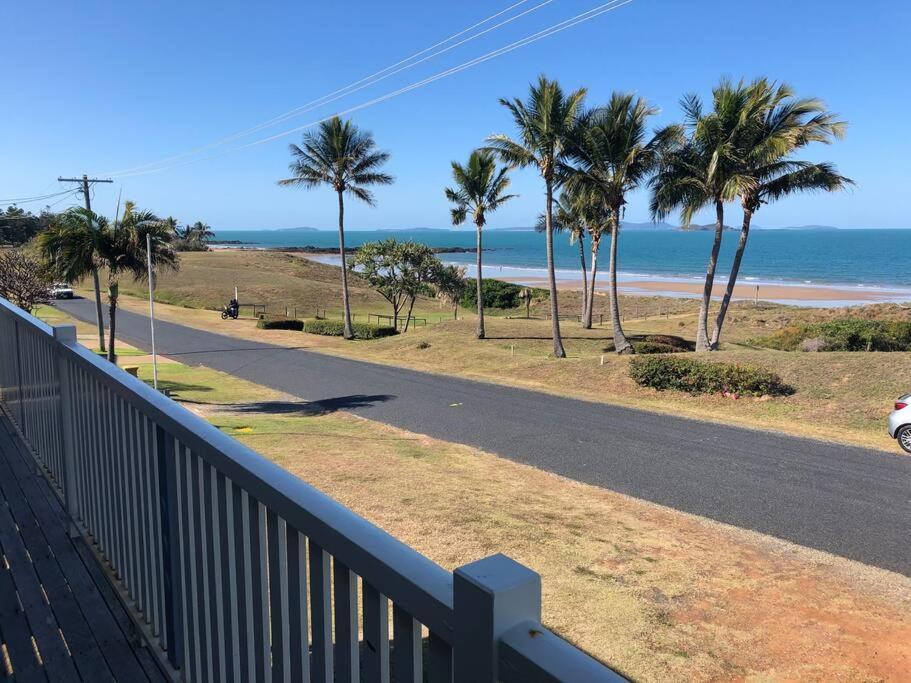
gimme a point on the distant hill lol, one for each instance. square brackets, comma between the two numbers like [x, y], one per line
[301, 229]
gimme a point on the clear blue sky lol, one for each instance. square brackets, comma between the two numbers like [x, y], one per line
[98, 86]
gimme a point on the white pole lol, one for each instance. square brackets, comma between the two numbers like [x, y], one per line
[151, 310]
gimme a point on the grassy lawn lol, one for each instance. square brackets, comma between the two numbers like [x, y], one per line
[207, 280]
[661, 595]
[843, 397]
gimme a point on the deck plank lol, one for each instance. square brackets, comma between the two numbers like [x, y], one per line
[96, 643]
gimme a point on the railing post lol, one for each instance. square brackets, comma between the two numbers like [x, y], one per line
[19, 396]
[170, 547]
[65, 335]
[490, 596]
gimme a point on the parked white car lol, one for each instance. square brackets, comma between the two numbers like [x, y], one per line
[900, 422]
[61, 290]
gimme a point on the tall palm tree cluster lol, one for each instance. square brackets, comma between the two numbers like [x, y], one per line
[740, 150]
[591, 159]
[190, 237]
[80, 243]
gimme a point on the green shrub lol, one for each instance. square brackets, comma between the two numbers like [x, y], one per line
[843, 335]
[280, 324]
[336, 328]
[497, 294]
[672, 340]
[700, 377]
[647, 347]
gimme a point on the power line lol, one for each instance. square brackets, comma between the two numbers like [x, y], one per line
[540, 35]
[37, 198]
[358, 85]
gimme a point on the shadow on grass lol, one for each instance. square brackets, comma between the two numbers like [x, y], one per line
[174, 387]
[311, 408]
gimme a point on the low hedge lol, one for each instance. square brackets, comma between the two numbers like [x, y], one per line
[700, 377]
[280, 324]
[648, 347]
[498, 294]
[336, 328]
[849, 334]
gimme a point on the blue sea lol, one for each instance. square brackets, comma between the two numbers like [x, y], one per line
[871, 259]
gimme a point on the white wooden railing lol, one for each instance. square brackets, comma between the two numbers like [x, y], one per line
[236, 570]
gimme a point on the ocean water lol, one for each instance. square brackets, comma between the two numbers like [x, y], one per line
[872, 258]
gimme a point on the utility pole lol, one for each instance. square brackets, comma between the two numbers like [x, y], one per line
[85, 181]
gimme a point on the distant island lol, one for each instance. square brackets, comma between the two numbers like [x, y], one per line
[310, 249]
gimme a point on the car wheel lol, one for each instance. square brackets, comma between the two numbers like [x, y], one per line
[903, 436]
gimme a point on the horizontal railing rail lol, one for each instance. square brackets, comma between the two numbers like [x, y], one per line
[236, 569]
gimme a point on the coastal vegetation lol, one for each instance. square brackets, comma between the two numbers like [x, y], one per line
[544, 123]
[24, 281]
[480, 188]
[78, 244]
[849, 334]
[399, 272]
[345, 158]
[741, 149]
[194, 237]
[699, 377]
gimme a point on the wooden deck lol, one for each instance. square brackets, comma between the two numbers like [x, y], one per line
[60, 619]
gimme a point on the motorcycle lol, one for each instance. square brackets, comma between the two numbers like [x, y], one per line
[230, 311]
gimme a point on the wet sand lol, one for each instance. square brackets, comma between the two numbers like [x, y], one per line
[766, 292]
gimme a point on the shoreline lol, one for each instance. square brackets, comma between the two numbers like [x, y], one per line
[809, 294]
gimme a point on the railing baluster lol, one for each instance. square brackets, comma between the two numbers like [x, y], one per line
[171, 506]
[225, 547]
[320, 614]
[298, 621]
[407, 656]
[439, 660]
[190, 548]
[347, 660]
[242, 562]
[259, 616]
[206, 635]
[376, 635]
[213, 586]
[278, 597]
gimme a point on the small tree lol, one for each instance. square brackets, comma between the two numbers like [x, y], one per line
[23, 280]
[450, 286]
[399, 271]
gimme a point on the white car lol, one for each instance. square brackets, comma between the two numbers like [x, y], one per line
[900, 422]
[61, 290]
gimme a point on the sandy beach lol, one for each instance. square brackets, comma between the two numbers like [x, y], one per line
[784, 293]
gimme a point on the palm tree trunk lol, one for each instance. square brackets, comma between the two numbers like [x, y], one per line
[113, 291]
[596, 244]
[99, 319]
[586, 321]
[348, 332]
[732, 279]
[559, 351]
[480, 290]
[702, 331]
[621, 345]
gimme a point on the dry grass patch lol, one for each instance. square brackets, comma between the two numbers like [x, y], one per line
[659, 594]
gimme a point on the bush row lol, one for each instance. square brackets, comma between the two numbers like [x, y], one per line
[700, 377]
[280, 324]
[336, 328]
[842, 335]
[497, 294]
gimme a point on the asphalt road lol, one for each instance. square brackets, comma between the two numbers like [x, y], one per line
[848, 501]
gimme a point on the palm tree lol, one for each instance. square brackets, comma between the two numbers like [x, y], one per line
[124, 249]
[202, 232]
[784, 126]
[65, 227]
[614, 155]
[449, 283]
[706, 171]
[572, 215]
[544, 123]
[171, 224]
[480, 187]
[340, 155]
